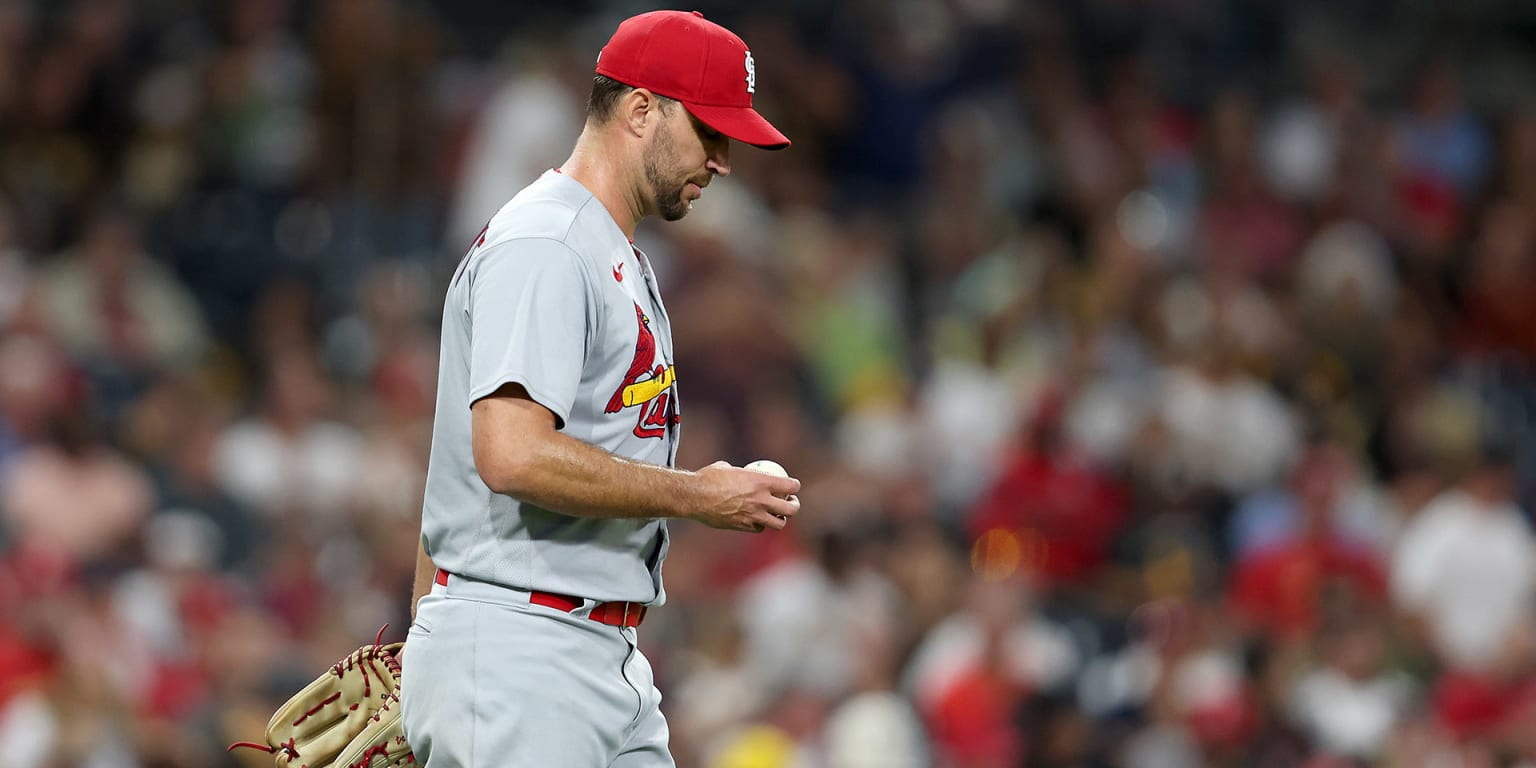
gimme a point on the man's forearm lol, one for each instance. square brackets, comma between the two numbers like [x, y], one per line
[563, 474]
[519, 452]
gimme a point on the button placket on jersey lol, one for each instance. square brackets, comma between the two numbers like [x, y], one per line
[661, 311]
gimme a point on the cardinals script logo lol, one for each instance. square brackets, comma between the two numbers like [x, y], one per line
[645, 385]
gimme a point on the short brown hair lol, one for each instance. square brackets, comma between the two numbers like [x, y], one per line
[605, 96]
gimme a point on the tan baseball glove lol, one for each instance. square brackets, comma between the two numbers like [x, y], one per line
[348, 717]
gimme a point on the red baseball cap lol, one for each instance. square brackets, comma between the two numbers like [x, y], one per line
[697, 62]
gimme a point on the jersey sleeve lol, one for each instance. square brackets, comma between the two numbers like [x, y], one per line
[528, 322]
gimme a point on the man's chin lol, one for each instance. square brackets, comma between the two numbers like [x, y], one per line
[675, 212]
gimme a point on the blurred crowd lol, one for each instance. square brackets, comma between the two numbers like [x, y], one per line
[1162, 375]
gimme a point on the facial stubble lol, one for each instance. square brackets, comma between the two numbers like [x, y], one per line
[667, 191]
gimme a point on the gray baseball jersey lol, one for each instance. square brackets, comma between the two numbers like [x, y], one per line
[554, 297]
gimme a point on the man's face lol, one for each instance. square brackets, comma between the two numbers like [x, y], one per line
[684, 155]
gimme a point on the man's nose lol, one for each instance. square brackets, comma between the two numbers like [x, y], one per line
[719, 162]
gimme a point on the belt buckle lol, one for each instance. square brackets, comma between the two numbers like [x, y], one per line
[625, 621]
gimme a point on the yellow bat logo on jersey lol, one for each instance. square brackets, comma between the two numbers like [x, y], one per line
[648, 390]
[645, 385]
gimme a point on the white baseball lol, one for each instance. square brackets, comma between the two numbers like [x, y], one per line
[767, 467]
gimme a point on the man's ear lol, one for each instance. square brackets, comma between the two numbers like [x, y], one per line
[639, 110]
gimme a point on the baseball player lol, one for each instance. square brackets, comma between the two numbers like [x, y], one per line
[543, 529]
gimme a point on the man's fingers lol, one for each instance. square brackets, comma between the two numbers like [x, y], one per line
[782, 486]
[784, 508]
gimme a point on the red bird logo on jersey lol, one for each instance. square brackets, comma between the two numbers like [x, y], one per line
[645, 383]
[618, 271]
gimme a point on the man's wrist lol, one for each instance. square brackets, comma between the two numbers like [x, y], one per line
[688, 495]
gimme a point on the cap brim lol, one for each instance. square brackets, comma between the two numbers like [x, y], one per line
[743, 124]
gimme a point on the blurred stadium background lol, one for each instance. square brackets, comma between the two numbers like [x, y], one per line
[1160, 371]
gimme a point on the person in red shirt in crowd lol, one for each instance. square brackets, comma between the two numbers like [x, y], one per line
[1282, 589]
[1061, 509]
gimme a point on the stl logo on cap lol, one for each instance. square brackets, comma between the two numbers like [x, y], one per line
[751, 74]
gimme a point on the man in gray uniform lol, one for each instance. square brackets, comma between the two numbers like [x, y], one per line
[543, 530]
